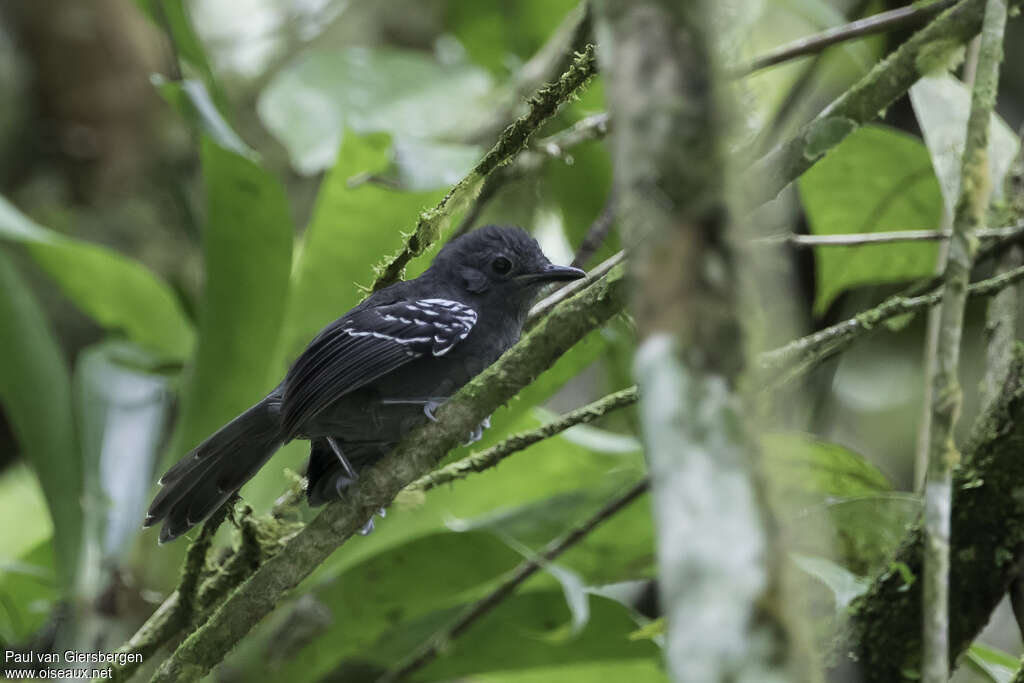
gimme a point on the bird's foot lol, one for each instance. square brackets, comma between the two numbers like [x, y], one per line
[367, 528]
[478, 431]
[429, 404]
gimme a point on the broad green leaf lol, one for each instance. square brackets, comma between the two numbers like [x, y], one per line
[122, 411]
[191, 99]
[876, 180]
[632, 670]
[373, 596]
[806, 470]
[942, 104]
[21, 498]
[119, 293]
[524, 632]
[859, 533]
[844, 584]
[482, 29]
[247, 246]
[620, 549]
[28, 591]
[309, 103]
[996, 665]
[351, 228]
[35, 390]
[173, 17]
[427, 165]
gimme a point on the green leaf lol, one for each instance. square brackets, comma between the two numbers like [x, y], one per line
[521, 633]
[35, 390]
[247, 246]
[28, 592]
[844, 584]
[859, 533]
[122, 411]
[876, 180]
[22, 498]
[942, 104]
[996, 665]
[805, 469]
[351, 228]
[172, 16]
[191, 99]
[373, 596]
[117, 292]
[427, 165]
[309, 103]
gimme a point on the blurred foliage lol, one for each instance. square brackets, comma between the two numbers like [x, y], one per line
[300, 179]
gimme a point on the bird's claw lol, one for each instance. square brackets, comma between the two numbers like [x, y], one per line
[367, 528]
[430, 406]
[478, 431]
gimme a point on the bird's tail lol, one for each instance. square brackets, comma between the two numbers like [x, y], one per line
[215, 469]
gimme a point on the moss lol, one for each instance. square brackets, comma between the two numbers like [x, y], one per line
[881, 636]
[433, 222]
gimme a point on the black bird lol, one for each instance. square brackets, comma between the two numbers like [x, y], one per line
[372, 375]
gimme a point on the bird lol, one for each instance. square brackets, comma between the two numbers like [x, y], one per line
[371, 376]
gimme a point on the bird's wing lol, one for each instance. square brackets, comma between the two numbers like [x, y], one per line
[365, 345]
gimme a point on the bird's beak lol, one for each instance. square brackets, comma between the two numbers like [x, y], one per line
[553, 273]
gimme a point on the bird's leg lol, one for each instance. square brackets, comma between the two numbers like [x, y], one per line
[342, 483]
[432, 404]
[345, 464]
[429, 404]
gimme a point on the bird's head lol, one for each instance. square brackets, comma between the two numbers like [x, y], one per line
[500, 263]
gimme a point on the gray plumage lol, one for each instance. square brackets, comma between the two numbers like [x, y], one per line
[371, 376]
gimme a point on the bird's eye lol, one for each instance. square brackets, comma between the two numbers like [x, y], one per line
[501, 265]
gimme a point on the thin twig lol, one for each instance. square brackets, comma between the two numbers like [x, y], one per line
[891, 20]
[947, 397]
[801, 354]
[877, 90]
[432, 223]
[858, 239]
[543, 306]
[597, 233]
[478, 462]
[531, 160]
[570, 37]
[443, 639]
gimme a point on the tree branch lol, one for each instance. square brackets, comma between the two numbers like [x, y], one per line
[881, 640]
[530, 160]
[417, 454]
[865, 100]
[879, 23]
[571, 36]
[947, 397]
[478, 462]
[442, 640]
[433, 222]
[801, 354]
[858, 239]
[668, 146]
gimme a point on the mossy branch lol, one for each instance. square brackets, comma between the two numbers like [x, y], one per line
[881, 639]
[542, 106]
[782, 364]
[946, 394]
[419, 452]
[478, 462]
[928, 49]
